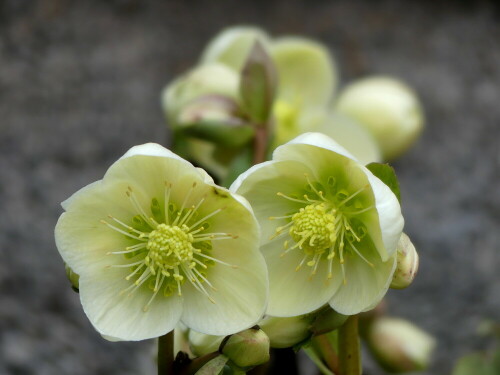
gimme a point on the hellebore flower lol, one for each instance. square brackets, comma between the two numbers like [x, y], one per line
[330, 228]
[155, 242]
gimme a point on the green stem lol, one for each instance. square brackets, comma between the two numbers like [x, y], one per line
[166, 354]
[349, 350]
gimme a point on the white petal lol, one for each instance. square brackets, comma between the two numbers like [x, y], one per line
[242, 292]
[390, 219]
[306, 71]
[150, 149]
[313, 139]
[81, 238]
[294, 292]
[260, 185]
[366, 285]
[122, 316]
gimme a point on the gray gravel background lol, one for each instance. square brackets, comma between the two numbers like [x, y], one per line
[80, 84]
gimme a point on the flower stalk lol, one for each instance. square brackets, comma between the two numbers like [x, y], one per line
[166, 354]
[349, 349]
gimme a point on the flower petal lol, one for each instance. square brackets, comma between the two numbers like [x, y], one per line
[260, 185]
[288, 151]
[81, 238]
[390, 219]
[294, 292]
[241, 291]
[121, 316]
[365, 285]
[232, 45]
[306, 71]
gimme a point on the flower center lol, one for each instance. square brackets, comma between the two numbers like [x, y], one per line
[326, 228]
[314, 228]
[169, 246]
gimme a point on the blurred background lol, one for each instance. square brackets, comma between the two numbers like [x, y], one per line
[80, 84]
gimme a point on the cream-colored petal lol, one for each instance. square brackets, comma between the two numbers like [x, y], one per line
[121, 316]
[260, 185]
[288, 151]
[306, 71]
[147, 175]
[232, 45]
[294, 292]
[81, 238]
[365, 285]
[241, 293]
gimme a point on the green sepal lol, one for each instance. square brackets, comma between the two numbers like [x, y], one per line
[73, 278]
[258, 84]
[387, 175]
[215, 366]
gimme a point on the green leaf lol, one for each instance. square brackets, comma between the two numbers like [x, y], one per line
[213, 367]
[258, 84]
[387, 175]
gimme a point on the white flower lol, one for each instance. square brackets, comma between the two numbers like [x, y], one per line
[155, 242]
[329, 227]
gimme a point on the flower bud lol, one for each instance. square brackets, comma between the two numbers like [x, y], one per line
[247, 348]
[399, 345]
[286, 332]
[73, 278]
[206, 80]
[386, 107]
[407, 263]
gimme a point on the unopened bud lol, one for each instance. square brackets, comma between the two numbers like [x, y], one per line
[400, 346]
[386, 107]
[73, 278]
[286, 332]
[206, 80]
[407, 263]
[247, 348]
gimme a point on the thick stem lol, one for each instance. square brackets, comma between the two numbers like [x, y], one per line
[166, 354]
[349, 350]
[260, 144]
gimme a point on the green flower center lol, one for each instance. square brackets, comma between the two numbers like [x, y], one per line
[314, 228]
[169, 246]
[327, 227]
